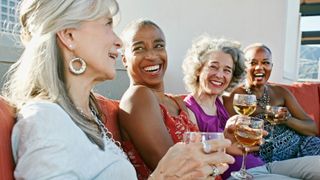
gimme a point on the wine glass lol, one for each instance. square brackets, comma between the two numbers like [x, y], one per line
[194, 137]
[248, 133]
[271, 115]
[244, 104]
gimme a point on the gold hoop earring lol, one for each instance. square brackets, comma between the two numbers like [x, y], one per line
[77, 71]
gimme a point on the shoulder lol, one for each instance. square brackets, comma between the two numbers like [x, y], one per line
[279, 90]
[137, 92]
[40, 108]
[41, 118]
[41, 113]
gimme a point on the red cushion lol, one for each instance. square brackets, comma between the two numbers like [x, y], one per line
[110, 110]
[308, 96]
[6, 123]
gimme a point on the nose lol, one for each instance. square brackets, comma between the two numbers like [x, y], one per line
[259, 66]
[220, 73]
[118, 43]
[150, 54]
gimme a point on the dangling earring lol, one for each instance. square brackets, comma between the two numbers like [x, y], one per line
[77, 71]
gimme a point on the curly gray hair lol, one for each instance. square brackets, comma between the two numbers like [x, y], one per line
[199, 54]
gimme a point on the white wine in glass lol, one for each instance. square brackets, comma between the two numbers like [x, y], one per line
[249, 131]
[271, 116]
[244, 104]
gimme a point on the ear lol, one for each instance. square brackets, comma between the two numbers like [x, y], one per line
[66, 38]
[124, 61]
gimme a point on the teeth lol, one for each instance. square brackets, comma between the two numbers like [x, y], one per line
[216, 83]
[152, 68]
[259, 75]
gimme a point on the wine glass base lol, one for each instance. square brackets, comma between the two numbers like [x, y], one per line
[242, 175]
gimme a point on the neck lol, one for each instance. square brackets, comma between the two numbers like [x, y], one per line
[79, 91]
[206, 101]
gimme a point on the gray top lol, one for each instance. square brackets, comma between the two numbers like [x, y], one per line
[47, 144]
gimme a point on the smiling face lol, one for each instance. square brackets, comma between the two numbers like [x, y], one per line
[146, 57]
[216, 73]
[97, 44]
[258, 66]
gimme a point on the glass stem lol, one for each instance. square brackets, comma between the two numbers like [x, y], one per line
[243, 165]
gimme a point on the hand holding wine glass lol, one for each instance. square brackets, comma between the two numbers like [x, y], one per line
[248, 133]
[275, 115]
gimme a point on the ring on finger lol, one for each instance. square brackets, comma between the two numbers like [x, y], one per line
[206, 147]
[215, 171]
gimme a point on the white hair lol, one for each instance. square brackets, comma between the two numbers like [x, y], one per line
[39, 73]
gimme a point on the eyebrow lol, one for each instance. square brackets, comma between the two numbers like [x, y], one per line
[141, 42]
[215, 62]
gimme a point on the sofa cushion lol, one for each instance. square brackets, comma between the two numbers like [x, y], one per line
[308, 96]
[6, 123]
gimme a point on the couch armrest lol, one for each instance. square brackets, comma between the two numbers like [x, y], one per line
[7, 120]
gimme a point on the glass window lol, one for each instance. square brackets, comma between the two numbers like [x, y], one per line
[4, 9]
[309, 66]
[11, 18]
[12, 4]
[4, 2]
[310, 23]
[4, 16]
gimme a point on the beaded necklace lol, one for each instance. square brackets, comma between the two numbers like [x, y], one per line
[110, 142]
[264, 100]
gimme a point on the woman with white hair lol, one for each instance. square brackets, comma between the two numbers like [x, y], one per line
[69, 47]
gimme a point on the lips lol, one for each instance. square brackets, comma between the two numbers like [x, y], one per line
[217, 83]
[113, 55]
[153, 68]
[259, 76]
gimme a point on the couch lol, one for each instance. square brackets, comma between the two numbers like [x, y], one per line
[307, 94]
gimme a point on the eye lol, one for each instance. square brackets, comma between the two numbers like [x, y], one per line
[137, 48]
[252, 63]
[267, 62]
[109, 22]
[159, 46]
[214, 67]
[228, 71]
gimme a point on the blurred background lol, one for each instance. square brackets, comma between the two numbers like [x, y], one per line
[291, 28]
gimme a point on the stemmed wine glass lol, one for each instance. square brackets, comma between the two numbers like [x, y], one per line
[272, 115]
[247, 132]
[195, 137]
[244, 104]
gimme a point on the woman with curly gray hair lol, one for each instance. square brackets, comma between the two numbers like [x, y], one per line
[200, 53]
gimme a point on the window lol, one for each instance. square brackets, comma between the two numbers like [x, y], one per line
[4, 9]
[309, 64]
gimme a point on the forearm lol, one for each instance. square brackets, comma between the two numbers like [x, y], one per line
[305, 127]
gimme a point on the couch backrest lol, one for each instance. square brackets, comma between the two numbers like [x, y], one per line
[308, 96]
[6, 123]
[110, 111]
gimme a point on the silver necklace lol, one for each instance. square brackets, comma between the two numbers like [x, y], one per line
[116, 145]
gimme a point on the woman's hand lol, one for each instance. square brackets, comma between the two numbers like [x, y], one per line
[236, 148]
[189, 161]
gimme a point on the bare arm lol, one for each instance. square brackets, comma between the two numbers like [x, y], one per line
[141, 119]
[300, 121]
